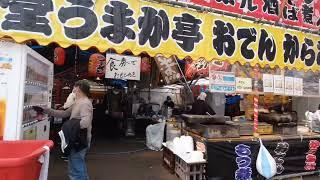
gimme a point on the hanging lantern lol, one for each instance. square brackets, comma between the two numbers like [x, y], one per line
[97, 65]
[59, 56]
[145, 65]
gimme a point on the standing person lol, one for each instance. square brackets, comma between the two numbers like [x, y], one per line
[167, 107]
[200, 106]
[168, 102]
[82, 110]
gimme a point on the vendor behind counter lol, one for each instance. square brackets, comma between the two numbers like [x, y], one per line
[201, 107]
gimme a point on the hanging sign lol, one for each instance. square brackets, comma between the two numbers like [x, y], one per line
[199, 67]
[301, 13]
[268, 83]
[122, 67]
[298, 86]
[278, 84]
[289, 83]
[168, 68]
[243, 84]
[222, 81]
[158, 28]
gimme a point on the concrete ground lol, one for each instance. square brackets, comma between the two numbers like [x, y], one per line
[111, 160]
[121, 159]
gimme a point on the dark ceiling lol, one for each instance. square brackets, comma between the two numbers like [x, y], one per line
[73, 54]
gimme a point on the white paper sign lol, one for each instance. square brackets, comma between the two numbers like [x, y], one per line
[122, 67]
[278, 83]
[289, 86]
[267, 83]
[222, 81]
[298, 86]
[243, 84]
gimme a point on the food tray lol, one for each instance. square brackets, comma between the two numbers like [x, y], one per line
[227, 130]
[204, 119]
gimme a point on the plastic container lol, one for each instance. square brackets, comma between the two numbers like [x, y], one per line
[168, 159]
[19, 159]
[189, 171]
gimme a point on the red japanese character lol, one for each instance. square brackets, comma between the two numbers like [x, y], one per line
[314, 145]
[309, 168]
[310, 162]
[311, 158]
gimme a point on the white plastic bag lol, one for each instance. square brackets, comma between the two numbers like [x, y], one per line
[154, 134]
[266, 165]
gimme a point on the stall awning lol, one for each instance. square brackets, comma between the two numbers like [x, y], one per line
[157, 28]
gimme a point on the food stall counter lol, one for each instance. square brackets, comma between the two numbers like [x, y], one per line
[295, 155]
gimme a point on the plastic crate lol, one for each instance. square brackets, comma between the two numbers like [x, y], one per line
[189, 171]
[19, 159]
[168, 159]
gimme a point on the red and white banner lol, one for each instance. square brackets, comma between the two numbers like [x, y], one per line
[255, 114]
[301, 13]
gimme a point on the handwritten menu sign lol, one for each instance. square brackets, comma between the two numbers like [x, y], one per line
[243, 84]
[122, 67]
[289, 86]
[168, 68]
[278, 84]
[298, 86]
[267, 83]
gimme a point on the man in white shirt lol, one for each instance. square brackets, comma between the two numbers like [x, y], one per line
[70, 100]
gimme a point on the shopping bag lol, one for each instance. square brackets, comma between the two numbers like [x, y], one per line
[266, 165]
[154, 136]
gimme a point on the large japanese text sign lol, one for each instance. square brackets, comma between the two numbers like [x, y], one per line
[157, 28]
[122, 67]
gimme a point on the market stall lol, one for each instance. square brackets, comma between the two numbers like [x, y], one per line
[255, 110]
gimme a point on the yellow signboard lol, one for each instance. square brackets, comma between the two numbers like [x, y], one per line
[157, 28]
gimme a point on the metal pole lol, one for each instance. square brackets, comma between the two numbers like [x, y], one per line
[184, 78]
